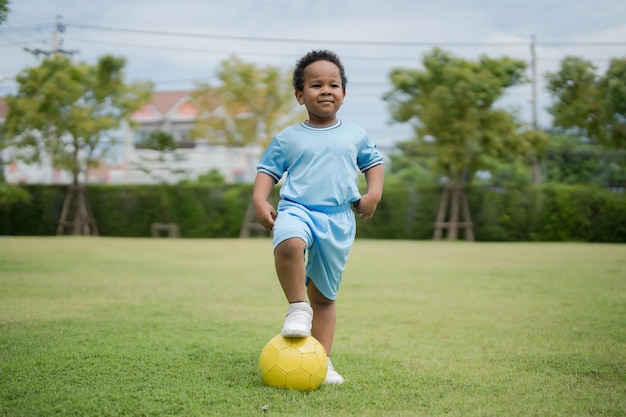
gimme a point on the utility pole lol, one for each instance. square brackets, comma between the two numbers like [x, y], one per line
[56, 42]
[60, 28]
[533, 68]
[76, 213]
[536, 173]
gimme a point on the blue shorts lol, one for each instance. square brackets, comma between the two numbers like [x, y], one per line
[328, 233]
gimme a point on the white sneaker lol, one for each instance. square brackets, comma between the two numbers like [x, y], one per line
[332, 377]
[298, 320]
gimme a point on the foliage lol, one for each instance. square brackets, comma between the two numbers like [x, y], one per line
[583, 214]
[572, 160]
[588, 104]
[200, 210]
[212, 177]
[451, 104]
[159, 157]
[38, 216]
[405, 212]
[506, 173]
[63, 111]
[11, 194]
[249, 105]
[158, 141]
[547, 213]
[153, 327]
[4, 10]
[409, 163]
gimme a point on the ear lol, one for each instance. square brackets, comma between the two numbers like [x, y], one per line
[299, 97]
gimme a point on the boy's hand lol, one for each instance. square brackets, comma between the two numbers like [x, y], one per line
[265, 214]
[366, 207]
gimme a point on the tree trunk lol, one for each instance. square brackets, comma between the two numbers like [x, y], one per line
[535, 169]
[76, 213]
[453, 203]
[250, 224]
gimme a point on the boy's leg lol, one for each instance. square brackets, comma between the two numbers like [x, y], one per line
[324, 317]
[290, 268]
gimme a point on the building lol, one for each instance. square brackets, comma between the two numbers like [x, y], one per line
[173, 112]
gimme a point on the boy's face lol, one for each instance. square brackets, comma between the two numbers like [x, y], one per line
[323, 93]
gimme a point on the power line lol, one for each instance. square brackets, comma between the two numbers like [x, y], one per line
[230, 51]
[19, 42]
[6, 32]
[263, 53]
[291, 40]
[56, 42]
[285, 40]
[616, 43]
[170, 47]
[345, 42]
[9, 28]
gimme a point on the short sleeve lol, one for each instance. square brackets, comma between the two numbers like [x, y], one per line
[273, 161]
[368, 156]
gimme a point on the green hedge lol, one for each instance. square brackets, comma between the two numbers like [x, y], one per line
[546, 213]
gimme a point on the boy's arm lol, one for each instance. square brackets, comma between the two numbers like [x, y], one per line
[375, 178]
[264, 211]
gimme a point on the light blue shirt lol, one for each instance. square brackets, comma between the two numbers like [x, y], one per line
[322, 164]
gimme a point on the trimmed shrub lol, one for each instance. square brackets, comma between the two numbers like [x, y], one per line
[546, 213]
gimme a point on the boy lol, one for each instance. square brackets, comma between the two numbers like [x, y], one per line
[322, 157]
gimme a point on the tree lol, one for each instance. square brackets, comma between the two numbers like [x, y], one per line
[451, 104]
[160, 157]
[8, 194]
[251, 105]
[4, 10]
[62, 113]
[588, 104]
[571, 159]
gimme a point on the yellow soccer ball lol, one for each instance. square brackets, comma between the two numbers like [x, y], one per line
[294, 363]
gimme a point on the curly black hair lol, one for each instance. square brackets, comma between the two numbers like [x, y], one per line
[314, 56]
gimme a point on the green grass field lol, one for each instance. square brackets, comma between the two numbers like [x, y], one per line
[169, 327]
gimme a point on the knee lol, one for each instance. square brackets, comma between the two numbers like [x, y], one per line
[321, 301]
[317, 298]
[290, 249]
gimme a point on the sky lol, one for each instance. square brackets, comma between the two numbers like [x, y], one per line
[178, 44]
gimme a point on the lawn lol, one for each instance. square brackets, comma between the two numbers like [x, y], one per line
[174, 327]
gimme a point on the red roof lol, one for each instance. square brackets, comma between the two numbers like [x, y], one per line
[163, 101]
